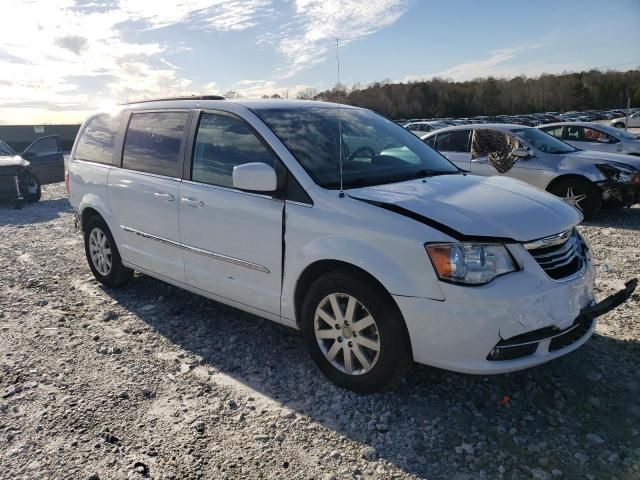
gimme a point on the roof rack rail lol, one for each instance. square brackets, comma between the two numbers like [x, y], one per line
[167, 99]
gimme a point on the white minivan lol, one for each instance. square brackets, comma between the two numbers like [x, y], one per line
[338, 222]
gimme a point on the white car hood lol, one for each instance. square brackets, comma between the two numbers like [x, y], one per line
[13, 161]
[472, 206]
[594, 157]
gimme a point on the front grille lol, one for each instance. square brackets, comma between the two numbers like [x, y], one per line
[560, 256]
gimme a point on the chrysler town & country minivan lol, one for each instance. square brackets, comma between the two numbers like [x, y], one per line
[338, 222]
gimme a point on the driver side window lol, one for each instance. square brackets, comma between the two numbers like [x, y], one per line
[222, 142]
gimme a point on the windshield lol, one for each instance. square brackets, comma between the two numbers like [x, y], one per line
[5, 150]
[543, 141]
[374, 150]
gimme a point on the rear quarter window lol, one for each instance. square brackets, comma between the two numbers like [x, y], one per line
[153, 142]
[98, 138]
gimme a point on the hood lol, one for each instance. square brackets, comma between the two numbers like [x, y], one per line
[472, 206]
[594, 157]
[14, 161]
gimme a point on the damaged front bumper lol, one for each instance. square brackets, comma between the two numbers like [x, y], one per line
[552, 339]
[623, 194]
[517, 321]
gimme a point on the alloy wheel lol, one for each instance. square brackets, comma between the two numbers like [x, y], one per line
[574, 199]
[347, 334]
[100, 251]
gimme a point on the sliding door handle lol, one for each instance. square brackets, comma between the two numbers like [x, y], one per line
[166, 197]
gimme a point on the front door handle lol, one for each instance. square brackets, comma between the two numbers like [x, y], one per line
[192, 202]
[166, 197]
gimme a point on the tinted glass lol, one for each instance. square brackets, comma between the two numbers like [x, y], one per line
[98, 138]
[543, 142]
[222, 142]
[374, 150]
[153, 141]
[454, 141]
[5, 149]
[431, 141]
[44, 146]
[553, 131]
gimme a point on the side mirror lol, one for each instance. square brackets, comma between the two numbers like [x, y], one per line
[255, 177]
[521, 152]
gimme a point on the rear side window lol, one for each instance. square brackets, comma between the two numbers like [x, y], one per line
[431, 141]
[453, 141]
[153, 142]
[98, 138]
[222, 142]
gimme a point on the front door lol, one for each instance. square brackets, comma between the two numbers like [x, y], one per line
[486, 141]
[46, 159]
[231, 239]
[143, 194]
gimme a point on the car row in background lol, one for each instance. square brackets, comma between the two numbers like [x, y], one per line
[616, 117]
[21, 175]
[583, 178]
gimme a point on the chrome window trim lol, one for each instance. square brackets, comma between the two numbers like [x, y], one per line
[149, 174]
[229, 189]
[217, 256]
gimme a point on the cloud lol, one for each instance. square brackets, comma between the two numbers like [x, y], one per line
[309, 38]
[222, 15]
[503, 63]
[73, 43]
[41, 64]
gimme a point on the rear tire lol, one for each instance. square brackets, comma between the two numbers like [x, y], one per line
[580, 193]
[102, 254]
[367, 337]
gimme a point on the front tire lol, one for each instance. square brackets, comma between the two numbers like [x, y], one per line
[102, 254]
[580, 193]
[34, 196]
[354, 332]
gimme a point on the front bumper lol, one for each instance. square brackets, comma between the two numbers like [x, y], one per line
[461, 332]
[626, 194]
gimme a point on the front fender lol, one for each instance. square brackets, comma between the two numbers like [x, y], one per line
[407, 274]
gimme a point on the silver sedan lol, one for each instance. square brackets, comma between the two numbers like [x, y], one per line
[594, 136]
[584, 179]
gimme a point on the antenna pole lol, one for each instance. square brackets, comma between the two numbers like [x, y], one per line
[341, 194]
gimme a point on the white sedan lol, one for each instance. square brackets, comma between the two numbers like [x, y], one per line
[594, 136]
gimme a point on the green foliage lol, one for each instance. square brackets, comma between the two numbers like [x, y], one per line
[490, 96]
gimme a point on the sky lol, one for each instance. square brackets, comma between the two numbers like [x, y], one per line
[63, 59]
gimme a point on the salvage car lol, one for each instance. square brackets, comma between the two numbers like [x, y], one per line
[18, 182]
[301, 213]
[594, 136]
[585, 179]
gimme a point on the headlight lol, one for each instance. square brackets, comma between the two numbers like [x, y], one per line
[470, 263]
[620, 173]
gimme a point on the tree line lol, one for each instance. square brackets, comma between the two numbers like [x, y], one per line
[439, 97]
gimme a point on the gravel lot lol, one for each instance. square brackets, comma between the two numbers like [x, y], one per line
[154, 382]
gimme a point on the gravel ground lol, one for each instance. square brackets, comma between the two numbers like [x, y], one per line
[154, 382]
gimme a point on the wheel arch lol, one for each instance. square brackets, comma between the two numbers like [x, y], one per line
[570, 176]
[319, 268]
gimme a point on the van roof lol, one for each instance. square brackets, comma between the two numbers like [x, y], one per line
[213, 101]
